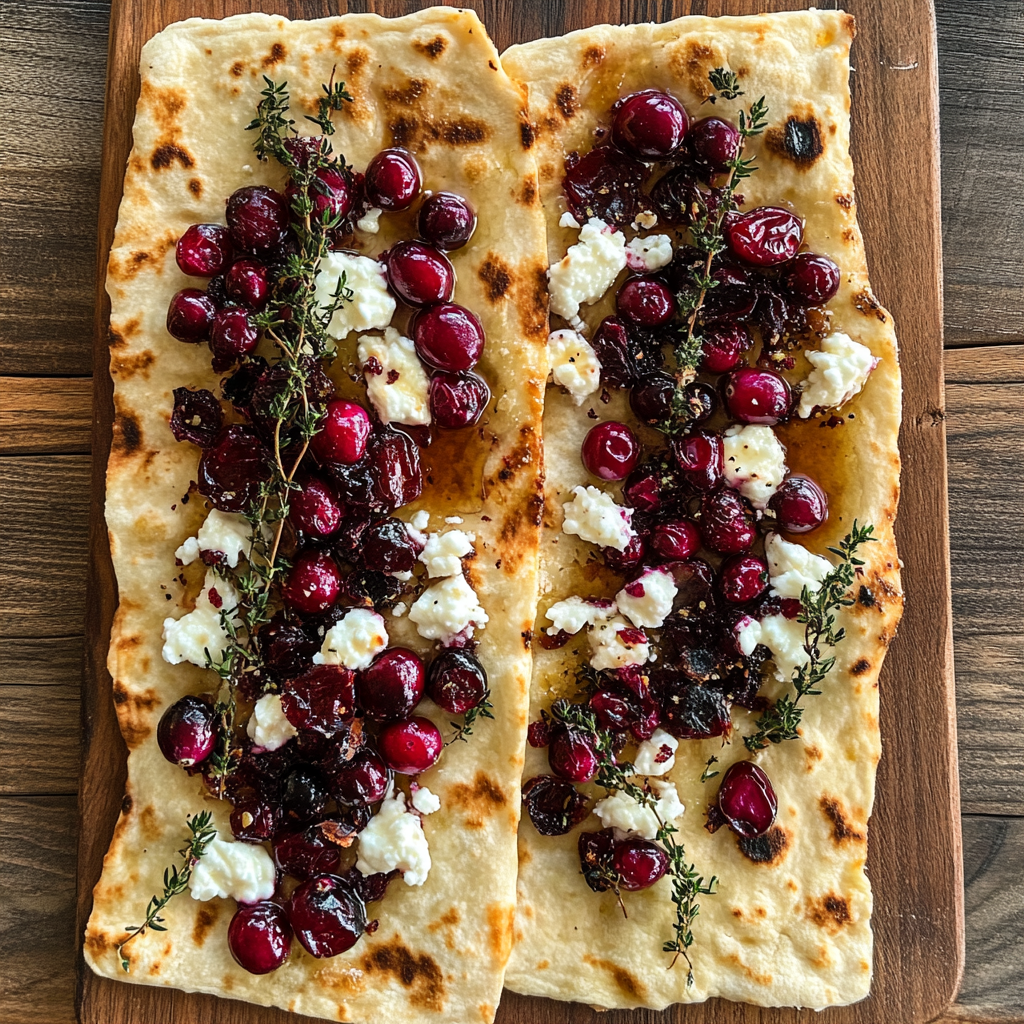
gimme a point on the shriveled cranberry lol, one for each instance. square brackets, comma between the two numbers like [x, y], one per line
[799, 504]
[765, 236]
[305, 853]
[305, 148]
[204, 250]
[239, 387]
[675, 539]
[756, 396]
[392, 686]
[742, 578]
[258, 218]
[643, 489]
[639, 863]
[457, 681]
[695, 712]
[612, 710]
[595, 851]
[612, 346]
[312, 583]
[303, 795]
[197, 416]
[190, 316]
[361, 781]
[680, 197]
[727, 522]
[387, 546]
[314, 509]
[322, 699]
[723, 346]
[699, 401]
[186, 735]
[260, 937]
[448, 337]
[649, 124]
[232, 336]
[606, 183]
[392, 180]
[256, 814]
[285, 647]
[328, 915]
[372, 888]
[395, 468]
[232, 470]
[571, 755]
[651, 397]
[246, 282]
[538, 733]
[629, 558]
[610, 450]
[747, 799]
[701, 457]
[810, 279]
[343, 433]
[447, 221]
[331, 193]
[645, 301]
[411, 746]
[728, 303]
[457, 399]
[420, 275]
[555, 806]
[713, 143]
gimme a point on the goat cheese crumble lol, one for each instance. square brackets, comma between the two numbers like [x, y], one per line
[791, 567]
[609, 648]
[227, 532]
[574, 364]
[621, 811]
[755, 462]
[657, 755]
[594, 516]
[268, 727]
[371, 305]
[443, 552]
[841, 370]
[354, 641]
[396, 382]
[567, 220]
[647, 601]
[645, 255]
[447, 609]
[424, 801]
[394, 840]
[243, 872]
[784, 637]
[572, 614]
[201, 631]
[588, 269]
[370, 221]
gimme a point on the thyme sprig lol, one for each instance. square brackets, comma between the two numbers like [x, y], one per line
[818, 610]
[465, 727]
[202, 832]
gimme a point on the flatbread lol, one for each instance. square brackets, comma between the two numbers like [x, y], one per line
[430, 82]
[796, 930]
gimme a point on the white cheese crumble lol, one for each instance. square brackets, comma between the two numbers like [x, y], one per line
[567, 220]
[370, 221]
[268, 727]
[354, 641]
[200, 631]
[645, 220]
[588, 269]
[755, 462]
[444, 552]
[240, 871]
[593, 516]
[424, 801]
[572, 614]
[783, 637]
[421, 520]
[446, 609]
[400, 391]
[623, 812]
[648, 753]
[453, 520]
[394, 839]
[791, 567]
[610, 650]
[371, 305]
[653, 603]
[841, 369]
[574, 364]
[645, 255]
[226, 532]
[399, 609]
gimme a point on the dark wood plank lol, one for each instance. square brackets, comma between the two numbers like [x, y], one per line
[39, 749]
[45, 415]
[56, 661]
[993, 364]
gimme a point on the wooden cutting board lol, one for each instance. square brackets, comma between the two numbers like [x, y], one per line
[914, 860]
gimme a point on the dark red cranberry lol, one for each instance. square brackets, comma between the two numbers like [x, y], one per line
[742, 578]
[810, 279]
[643, 489]
[651, 397]
[680, 197]
[231, 472]
[723, 346]
[727, 523]
[331, 193]
[258, 218]
[699, 401]
[714, 143]
[799, 504]
[765, 236]
[447, 221]
[694, 712]
[457, 399]
[395, 468]
[595, 852]
[303, 795]
[372, 888]
[448, 337]
[538, 733]
[238, 389]
[555, 806]
[232, 336]
[571, 755]
[615, 353]
[756, 396]
[606, 183]
[361, 781]
[328, 915]
[412, 746]
[701, 457]
[649, 124]
[457, 681]
[322, 699]
[314, 509]
[639, 863]
[305, 148]
[197, 416]
[343, 434]
[306, 853]
[728, 303]
[387, 546]
[286, 648]
[420, 274]
[392, 180]
[256, 815]
[392, 686]
[612, 710]
[312, 583]
[204, 250]
[186, 735]
[645, 301]
[190, 316]
[675, 539]
[747, 800]
[246, 282]
[610, 451]
[625, 561]
[260, 937]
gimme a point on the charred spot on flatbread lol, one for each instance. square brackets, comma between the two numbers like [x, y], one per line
[592, 56]
[169, 153]
[407, 95]
[842, 830]
[692, 63]
[798, 140]
[195, 186]
[627, 983]
[132, 364]
[432, 49]
[527, 133]
[479, 800]
[127, 439]
[866, 596]
[496, 275]
[830, 912]
[277, 54]
[206, 918]
[500, 918]
[769, 849]
[864, 302]
[567, 100]
[419, 973]
[861, 666]
[527, 193]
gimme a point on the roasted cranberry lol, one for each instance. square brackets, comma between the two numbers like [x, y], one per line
[392, 180]
[701, 457]
[314, 509]
[810, 279]
[651, 397]
[303, 795]
[639, 863]
[457, 681]
[612, 710]
[361, 781]
[387, 546]
[649, 124]
[726, 523]
[204, 250]
[728, 303]
[246, 282]
[681, 198]
[747, 800]
[420, 274]
[197, 416]
[555, 806]
[723, 346]
[675, 539]
[342, 437]
[743, 578]
[285, 647]
[595, 852]
[645, 301]
[257, 217]
[610, 451]
[186, 735]
[606, 183]
[756, 396]
[256, 815]
[392, 686]
[411, 746]
[457, 399]
[799, 504]
[629, 558]
[232, 471]
[322, 699]
[447, 221]
[448, 337]
[239, 387]
[232, 336]
[313, 583]
[260, 937]
[306, 853]
[190, 316]
[327, 914]
[765, 236]
[699, 401]
[395, 468]
[331, 193]
[695, 712]
[644, 489]
[612, 346]
[714, 143]
[571, 755]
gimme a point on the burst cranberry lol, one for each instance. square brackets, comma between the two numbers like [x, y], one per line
[611, 345]
[186, 735]
[412, 746]
[448, 337]
[629, 558]
[639, 863]
[747, 800]
[392, 180]
[571, 755]
[555, 806]
[447, 221]
[742, 579]
[231, 472]
[698, 401]
[190, 316]
[286, 648]
[765, 236]
[714, 143]
[246, 282]
[756, 396]
[306, 853]
[649, 124]
[723, 347]
[204, 250]
[681, 198]
[197, 417]
[387, 546]
[314, 509]
[692, 711]
[343, 435]
[644, 489]
[258, 218]
[701, 457]
[645, 301]
[392, 686]
[303, 795]
[331, 193]
[651, 397]
[606, 183]
[610, 451]
[232, 336]
[260, 937]
[676, 539]
[327, 914]
[322, 699]
[395, 469]
[810, 279]
[361, 781]
[612, 710]
[457, 399]
[800, 504]
[595, 852]
[727, 523]
[457, 681]
[255, 816]
[312, 584]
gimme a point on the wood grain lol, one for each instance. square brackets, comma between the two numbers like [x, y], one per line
[45, 414]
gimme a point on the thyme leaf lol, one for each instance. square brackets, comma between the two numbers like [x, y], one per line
[465, 728]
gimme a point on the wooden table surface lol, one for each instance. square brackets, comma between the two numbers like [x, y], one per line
[53, 57]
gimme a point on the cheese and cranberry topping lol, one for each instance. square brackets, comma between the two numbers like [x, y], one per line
[593, 516]
[442, 553]
[394, 840]
[646, 255]
[448, 609]
[239, 871]
[572, 614]
[268, 727]
[621, 811]
[647, 601]
[792, 567]
[396, 382]
[754, 462]
[223, 533]
[199, 636]
[656, 756]
[616, 644]
[354, 641]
